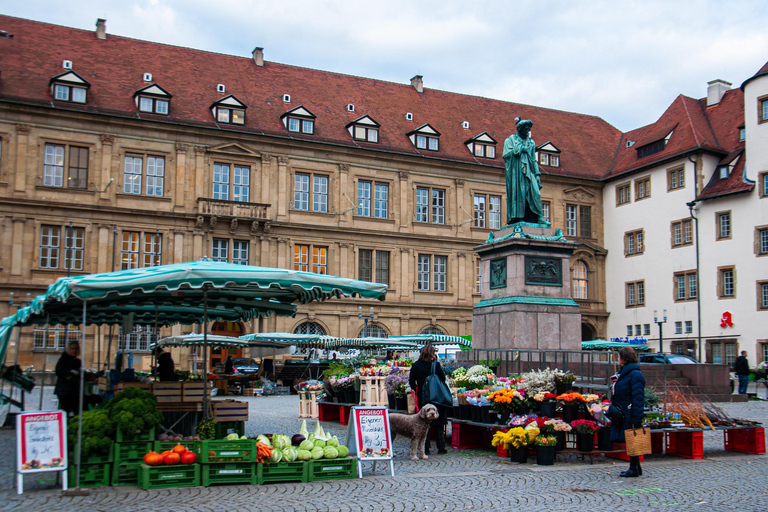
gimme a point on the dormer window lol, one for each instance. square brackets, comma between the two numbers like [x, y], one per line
[153, 99]
[299, 120]
[549, 155]
[742, 134]
[69, 87]
[482, 146]
[723, 172]
[229, 110]
[654, 147]
[364, 129]
[425, 137]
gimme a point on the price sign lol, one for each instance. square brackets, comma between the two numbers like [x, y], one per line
[41, 443]
[368, 436]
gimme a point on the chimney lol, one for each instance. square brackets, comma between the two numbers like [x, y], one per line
[418, 83]
[101, 28]
[715, 91]
[258, 56]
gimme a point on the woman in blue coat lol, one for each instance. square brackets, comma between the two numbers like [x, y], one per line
[629, 398]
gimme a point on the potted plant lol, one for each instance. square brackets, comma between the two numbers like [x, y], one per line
[492, 364]
[571, 402]
[502, 403]
[518, 440]
[563, 381]
[558, 429]
[396, 377]
[346, 390]
[598, 409]
[585, 434]
[545, 450]
[547, 403]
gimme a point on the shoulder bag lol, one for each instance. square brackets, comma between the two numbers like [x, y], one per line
[436, 391]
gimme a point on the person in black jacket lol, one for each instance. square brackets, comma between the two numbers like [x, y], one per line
[419, 372]
[741, 367]
[166, 370]
[229, 366]
[68, 379]
[629, 398]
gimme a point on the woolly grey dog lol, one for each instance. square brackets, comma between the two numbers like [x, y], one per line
[415, 426]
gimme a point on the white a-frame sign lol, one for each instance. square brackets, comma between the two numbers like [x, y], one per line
[368, 437]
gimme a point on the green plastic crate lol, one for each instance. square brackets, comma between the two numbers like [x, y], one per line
[226, 451]
[161, 446]
[144, 435]
[94, 459]
[224, 428]
[126, 474]
[131, 452]
[165, 477]
[331, 469]
[282, 472]
[234, 473]
[91, 475]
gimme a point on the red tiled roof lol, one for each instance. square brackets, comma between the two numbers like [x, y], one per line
[735, 183]
[115, 67]
[695, 126]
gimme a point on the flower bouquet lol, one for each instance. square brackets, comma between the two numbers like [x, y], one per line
[563, 381]
[545, 441]
[545, 450]
[585, 434]
[539, 381]
[505, 400]
[557, 428]
[547, 403]
[572, 403]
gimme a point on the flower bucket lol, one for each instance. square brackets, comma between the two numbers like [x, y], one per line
[401, 403]
[457, 412]
[356, 396]
[487, 414]
[477, 414]
[392, 402]
[518, 454]
[585, 442]
[545, 455]
[466, 412]
[547, 409]
[503, 418]
[562, 388]
[522, 411]
[604, 439]
[560, 436]
[570, 412]
[349, 395]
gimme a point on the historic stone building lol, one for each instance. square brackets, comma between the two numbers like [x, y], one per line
[117, 153]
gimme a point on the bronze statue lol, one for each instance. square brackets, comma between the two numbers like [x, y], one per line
[523, 177]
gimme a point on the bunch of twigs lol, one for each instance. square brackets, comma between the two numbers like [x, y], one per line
[719, 417]
[680, 400]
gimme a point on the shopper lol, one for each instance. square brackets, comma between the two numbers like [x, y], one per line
[742, 372]
[629, 398]
[419, 372]
[229, 366]
[68, 379]
[166, 370]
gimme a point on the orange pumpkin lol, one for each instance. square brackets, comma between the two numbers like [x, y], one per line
[171, 459]
[153, 459]
[179, 448]
[188, 457]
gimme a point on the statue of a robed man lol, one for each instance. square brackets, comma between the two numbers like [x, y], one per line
[523, 177]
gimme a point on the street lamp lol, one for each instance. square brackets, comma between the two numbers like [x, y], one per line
[690, 206]
[365, 319]
[659, 322]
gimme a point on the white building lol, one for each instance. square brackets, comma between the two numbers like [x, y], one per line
[704, 160]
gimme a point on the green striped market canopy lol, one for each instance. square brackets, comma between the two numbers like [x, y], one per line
[372, 342]
[299, 340]
[435, 339]
[192, 340]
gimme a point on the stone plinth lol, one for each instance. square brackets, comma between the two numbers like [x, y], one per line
[526, 291]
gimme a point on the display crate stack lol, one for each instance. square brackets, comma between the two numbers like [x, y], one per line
[128, 453]
[227, 462]
[164, 477]
[373, 391]
[308, 404]
[95, 470]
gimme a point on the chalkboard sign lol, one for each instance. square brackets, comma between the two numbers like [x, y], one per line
[368, 436]
[41, 439]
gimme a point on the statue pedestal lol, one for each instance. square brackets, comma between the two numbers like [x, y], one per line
[526, 291]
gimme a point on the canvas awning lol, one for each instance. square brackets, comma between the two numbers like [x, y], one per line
[435, 339]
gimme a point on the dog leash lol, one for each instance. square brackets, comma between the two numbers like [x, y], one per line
[415, 400]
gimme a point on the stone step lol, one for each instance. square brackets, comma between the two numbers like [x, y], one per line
[680, 381]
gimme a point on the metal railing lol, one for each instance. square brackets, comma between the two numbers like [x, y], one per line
[221, 208]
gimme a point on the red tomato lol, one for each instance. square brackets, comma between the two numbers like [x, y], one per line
[171, 459]
[153, 459]
[179, 448]
[188, 457]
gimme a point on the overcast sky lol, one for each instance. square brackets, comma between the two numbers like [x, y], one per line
[623, 61]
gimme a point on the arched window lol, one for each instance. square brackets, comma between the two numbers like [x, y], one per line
[579, 280]
[433, 330]
[373, 331]
[309, 328]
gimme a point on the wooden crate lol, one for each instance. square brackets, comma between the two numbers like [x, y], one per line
[167, 391]
[122, 386]
[308, 404]
[371, 391]
[103, 383]
[230, 410]
[192, 391]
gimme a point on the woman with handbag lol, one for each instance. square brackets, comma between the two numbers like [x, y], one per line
[428, 365]
[629, 400]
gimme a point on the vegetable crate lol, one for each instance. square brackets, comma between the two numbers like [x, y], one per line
[689, 445]
[164, 477]
[226, 451]
[126, 474]
[224, 428]
[193, 391]
[91, 475]
[167, 391]
[745, 440]
[230, 410]
[234, 473]
[145, 435]
[161, 446]
[331, 469]
[122, 386]
[131, 452]
[94, 459]
[282, 472]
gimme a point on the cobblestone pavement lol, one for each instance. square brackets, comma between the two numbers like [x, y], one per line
[460, 480]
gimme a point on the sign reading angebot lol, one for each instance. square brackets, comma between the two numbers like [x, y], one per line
[368, 436]
[41, 443]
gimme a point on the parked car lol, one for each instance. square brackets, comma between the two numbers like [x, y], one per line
[245, 365]
[671, 359]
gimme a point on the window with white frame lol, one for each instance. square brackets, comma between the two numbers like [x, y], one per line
[686, 286]
[373, 266]
[140, 339]
[549, 159]
[623, 194]
[633, 243]
[678, 327]
[762, 295]
[635, 294]
[70, 87]
[380, 192]
[310, 258]
[642, 188]
[487, 211]
[482, 146]
[726, 283]
[478, 276]
[147, 168]
[61, 247]
[430, 205]
[432, 273]
[545, 210]
[425, 137]
[762, 113]
[299, 120]
[153, 105]
[637, 329]
[54, 337]
[239, 186]
[676, 179]
[61, 159]
[646, 329]
[763, 184]
[682, 232]
[364, 129]
[310, 189]
[688, 327]
[579, 280]
[220, 251]
[578, 220]
[629, 330]
[310, 328]
[723, 225]
[229, 110]
[373, 331]
[141, 249]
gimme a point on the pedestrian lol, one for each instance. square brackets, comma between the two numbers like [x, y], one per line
[229, 365]
[68, 379]
[420, 370]
[629, 398]
[742, 372]
[166, 370]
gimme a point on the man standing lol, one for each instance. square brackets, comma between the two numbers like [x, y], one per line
[522, 176]
[742, 372]
[68, 379]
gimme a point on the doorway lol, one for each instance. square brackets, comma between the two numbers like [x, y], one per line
[218, 354]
